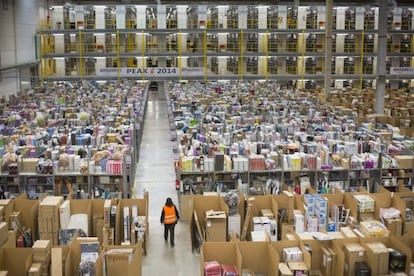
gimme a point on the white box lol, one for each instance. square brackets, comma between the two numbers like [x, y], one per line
[64, 214]
[261, 223]
[312, 224]
[234, 224]
[292, 254]
[299, 223]
[259, 235]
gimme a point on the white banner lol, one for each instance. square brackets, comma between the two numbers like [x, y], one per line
[150, 72]
[401, 70]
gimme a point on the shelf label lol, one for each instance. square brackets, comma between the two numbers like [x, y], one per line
[150, 72]
[401, 70]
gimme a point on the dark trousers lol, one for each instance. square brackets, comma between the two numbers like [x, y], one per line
[169, 228]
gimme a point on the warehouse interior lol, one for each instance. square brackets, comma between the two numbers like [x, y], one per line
[283, 131]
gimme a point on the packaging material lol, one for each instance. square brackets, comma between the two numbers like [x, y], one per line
[35, 269]
[365, 203]
[123, 260]
[267, 213]
[299, 223]
[216, 225]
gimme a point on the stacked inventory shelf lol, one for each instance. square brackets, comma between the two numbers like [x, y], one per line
[225, 40]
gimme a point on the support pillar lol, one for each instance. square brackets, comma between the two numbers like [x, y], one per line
[382, 53]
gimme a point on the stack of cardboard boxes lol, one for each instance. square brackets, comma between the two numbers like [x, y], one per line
[48, 218]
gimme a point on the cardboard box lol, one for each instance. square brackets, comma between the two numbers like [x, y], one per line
[222, 252]
[284, 270]
[216, 226]
[259, 257]
[378, 258]
[292, 254]
[123, 260]
[394, 226]
[234, 225]
[186, 207]
[354, 252]
[298, 268]
[326, 262]
[17, 261]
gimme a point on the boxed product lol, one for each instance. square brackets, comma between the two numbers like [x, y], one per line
[284, 270]
[298, 268]
[373, 228]
[292, 254]
[378, 255]
[216, 226]
[365, 203]
[397, 261]
[354, 252]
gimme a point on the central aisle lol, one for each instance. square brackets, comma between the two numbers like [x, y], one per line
[155, 173]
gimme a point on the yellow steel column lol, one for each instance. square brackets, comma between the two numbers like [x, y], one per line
[144, 64]
[241, 47]
[118, 58]
[205, 54]
[81, 61]
[361, 64]
[267, 55]
[179, 55]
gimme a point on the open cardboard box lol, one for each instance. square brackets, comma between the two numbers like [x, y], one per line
[28, 209]
[260, 257]
[186, 207]
[142, 211]
[399, 202]
[338, 246]
[120, 264]
[226, 253]
[98, 217]
[259, 203]
[82, 206]
[279, 245]
[16, 261]
[389, 242]
[202, 204]
[317, 255]
[75, 252]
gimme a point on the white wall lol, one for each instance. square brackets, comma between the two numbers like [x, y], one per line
[18, 25]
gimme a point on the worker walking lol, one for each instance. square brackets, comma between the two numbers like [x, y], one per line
[170, 217]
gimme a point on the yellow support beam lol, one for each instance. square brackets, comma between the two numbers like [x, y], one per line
[180, 55]
[303, 42]
[118, 57]
[361, 64]
[143, 53]
[266, 46]
[241, 49]
[81, 61]
[205, 54]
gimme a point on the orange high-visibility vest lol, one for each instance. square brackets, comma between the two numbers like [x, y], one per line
[169, 215]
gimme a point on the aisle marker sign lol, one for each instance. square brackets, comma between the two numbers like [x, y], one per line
[401, 70]
[149, 72]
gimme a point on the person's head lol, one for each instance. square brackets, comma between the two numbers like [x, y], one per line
[169, 201]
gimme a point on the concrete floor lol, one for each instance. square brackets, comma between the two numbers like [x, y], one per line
[155, 174]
